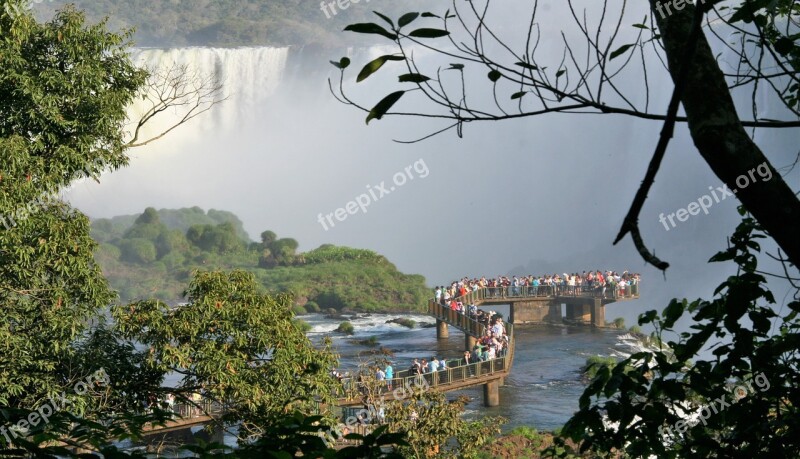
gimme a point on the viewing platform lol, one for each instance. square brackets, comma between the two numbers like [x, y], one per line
[540, 304]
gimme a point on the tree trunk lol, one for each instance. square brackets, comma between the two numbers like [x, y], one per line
[720, 138]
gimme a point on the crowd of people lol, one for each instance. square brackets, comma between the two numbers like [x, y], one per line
[588, 282]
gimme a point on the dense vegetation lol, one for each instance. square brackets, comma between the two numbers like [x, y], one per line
[154, 254]
[64, 87]
[222, 22]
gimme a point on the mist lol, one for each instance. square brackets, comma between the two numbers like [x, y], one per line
[528, 196]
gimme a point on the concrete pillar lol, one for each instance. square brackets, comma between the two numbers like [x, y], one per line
[441, 330]
[469, 342]
[598, 313]
[491, 393]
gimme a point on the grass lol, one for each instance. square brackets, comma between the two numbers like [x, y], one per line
[346, 328]
[595, 363]
[372, 341]
[408, 323]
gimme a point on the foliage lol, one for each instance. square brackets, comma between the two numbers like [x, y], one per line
[298, 310]
[346, 328]
[222, 22]
[653, 395]
[146, 257]
[55, 126]
[595, 364]
[619, 322]
[405, 322]
[635, 330]
[327, 253]
[439, 430]
[766, 44]
[240, 346]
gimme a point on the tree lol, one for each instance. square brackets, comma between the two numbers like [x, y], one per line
[585, 80]
[740, 403]
[65, 88]
[240, 346]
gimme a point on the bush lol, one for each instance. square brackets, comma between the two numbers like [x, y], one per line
[346, 328]
[312, 306]
[529, 433]
[595, 363]
[635, 330]
[372, 341]
[298, 310]
[408, 323]
[619, 322]
[304, 326]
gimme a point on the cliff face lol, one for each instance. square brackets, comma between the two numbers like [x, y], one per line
[228, 23]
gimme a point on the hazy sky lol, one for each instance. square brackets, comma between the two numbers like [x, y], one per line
[532, 195]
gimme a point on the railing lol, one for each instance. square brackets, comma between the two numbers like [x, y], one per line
[445, 377]
[550, 291]
[457, 318]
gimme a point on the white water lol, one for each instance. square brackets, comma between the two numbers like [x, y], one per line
[248, 76]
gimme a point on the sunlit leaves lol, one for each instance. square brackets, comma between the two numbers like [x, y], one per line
[384, 105]
[376, 64]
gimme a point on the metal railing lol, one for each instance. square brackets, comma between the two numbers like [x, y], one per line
[550, 291]
[445, 377]
[458, 319]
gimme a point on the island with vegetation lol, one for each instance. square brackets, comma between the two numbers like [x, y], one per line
[153, 255]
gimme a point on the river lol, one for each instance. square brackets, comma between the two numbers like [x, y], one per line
[544, 386]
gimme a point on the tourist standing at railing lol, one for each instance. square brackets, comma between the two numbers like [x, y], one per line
[437, 294]
[389, 372]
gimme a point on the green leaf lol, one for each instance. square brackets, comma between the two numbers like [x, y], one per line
[641, 26]
[413, 78]
[494, 75]
[342, 64]
[374, 65]
[456, 66]
[428, 14]
[385, 18]
[370, 27]
[617, 52]
[429, 33]
[407, 19]
[384, 105]
[559, 73]
[527, 66]
[518, 95]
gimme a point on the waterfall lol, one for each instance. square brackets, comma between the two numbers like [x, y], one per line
[248, 77]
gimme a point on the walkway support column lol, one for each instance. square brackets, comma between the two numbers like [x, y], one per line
[469, 342]
[441, 329]
[491, 393]
[598, 313]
